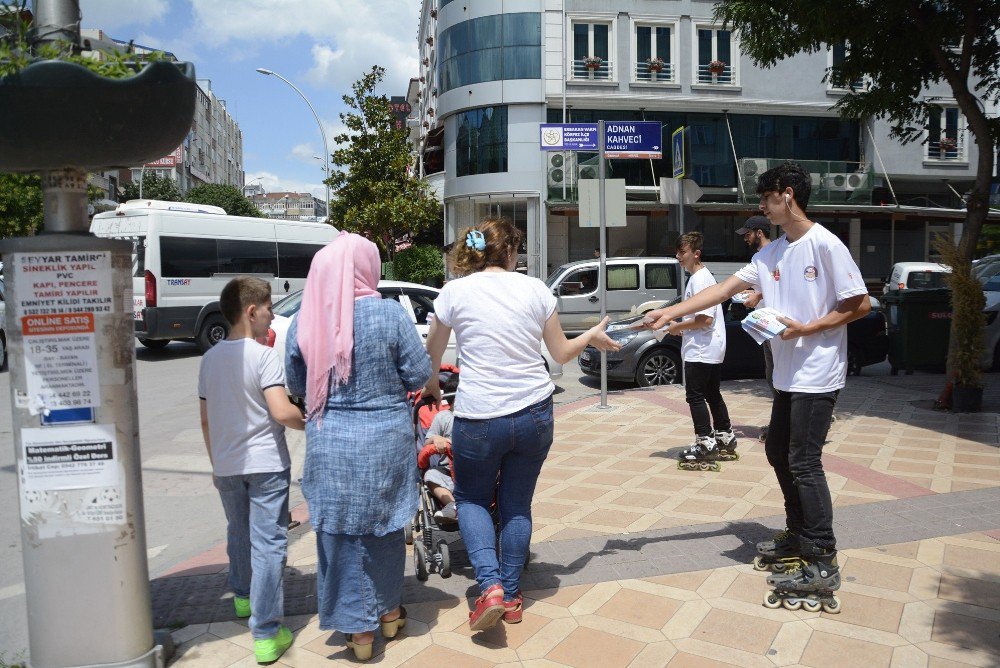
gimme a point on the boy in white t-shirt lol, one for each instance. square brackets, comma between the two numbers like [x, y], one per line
[703, 349]
[809, 276]
[241, 384]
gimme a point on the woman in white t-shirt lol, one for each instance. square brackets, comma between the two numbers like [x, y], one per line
[503, 409]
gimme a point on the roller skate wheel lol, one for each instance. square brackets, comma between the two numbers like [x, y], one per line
[791, 604]
[758, 564]
[779, 567]
[772, 601]
[704, 466]
[811, 606]
[715, 466]
[832, 606]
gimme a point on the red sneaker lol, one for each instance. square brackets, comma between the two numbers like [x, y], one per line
[489, 609]
[512, 610]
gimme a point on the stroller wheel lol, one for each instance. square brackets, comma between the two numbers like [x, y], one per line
[420, 561]
[444, 565]
[408, 533]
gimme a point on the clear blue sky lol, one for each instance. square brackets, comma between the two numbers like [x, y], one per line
[322, 46]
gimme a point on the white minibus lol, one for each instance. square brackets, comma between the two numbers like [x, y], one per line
[185, 254]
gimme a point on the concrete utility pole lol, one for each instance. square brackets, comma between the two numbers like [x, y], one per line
[75, 425]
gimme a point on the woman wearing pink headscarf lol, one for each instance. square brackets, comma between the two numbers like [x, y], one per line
[354, 356]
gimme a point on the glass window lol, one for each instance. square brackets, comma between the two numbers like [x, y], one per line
[660, 276]
[182, 257]
[652, 42]
[290, 305]
[481, 142]
[591, 40]
[580, 282]
[624, 277]
[423, 306]
[294, 260]
[246, 257]
[945, 134]
[716, 61]
[491, 48]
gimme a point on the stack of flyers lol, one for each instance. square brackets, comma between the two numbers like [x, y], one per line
[741, 297]
[763, 324]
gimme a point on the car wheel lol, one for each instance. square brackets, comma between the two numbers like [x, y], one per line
[154, 344]
[660, 366]
[214, 329]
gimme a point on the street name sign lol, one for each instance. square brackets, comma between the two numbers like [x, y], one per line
[677, 143]
[633, 139]
[568, 137]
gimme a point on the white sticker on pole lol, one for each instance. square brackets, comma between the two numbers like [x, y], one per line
[58, 297]
[74, 457]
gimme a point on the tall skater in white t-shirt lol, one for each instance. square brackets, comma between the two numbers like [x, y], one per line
[703, 349]
[809, 276]
[503, 410]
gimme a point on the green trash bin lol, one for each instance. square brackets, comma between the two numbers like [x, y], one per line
[919, 327]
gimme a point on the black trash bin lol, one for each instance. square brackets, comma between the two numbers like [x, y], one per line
[919, 327]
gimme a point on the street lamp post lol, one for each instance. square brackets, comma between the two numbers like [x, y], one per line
[322, 132]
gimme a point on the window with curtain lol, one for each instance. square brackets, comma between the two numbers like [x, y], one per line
[945, 134]
[716, 56]
[491, 48]
[652, 43]
[623, 277]
[591, 50]
[481, 141]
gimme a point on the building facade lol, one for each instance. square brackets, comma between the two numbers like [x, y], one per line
[286, 205]
[212, 152]
[493, 70]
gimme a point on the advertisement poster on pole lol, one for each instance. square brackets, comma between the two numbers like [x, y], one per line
[58, 297]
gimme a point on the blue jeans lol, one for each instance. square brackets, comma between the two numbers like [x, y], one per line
[256, 506]
[511, 448]
[799, 425]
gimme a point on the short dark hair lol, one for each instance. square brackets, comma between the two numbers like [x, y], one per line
[693, 240]
[788, 174]
[241, 292]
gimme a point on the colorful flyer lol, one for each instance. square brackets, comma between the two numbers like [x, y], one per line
[74, 457]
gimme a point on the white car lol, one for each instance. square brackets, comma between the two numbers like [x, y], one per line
[3, 332]
[911, 275]
[417, 300]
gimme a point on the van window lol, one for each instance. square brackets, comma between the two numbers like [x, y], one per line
[623, 277]
[294, 260]
[660, 277]
[586, 278]
[423, 305]
[183, 257]
[926, 279]
[239, 256]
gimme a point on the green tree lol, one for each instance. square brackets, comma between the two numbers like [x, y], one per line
[153, 187]
[900, 48]
[376, 195]
[20, 205]
[228, 197]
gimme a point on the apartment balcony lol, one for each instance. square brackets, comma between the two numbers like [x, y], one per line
[602, 71]
[644, 74]
[719, 76]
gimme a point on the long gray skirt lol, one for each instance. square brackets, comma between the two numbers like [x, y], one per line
[360, 579]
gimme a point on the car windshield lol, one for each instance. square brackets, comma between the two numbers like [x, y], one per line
[289, 306]
[554, 275]
[926, 279]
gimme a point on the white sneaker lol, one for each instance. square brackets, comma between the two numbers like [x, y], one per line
[449, 512]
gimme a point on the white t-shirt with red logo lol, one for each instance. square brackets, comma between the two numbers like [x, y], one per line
[805, 280]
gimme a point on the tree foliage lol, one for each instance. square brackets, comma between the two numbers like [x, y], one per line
[20, 205]
[419, 264]
[375, 194]
[228, 197]
[153, 187]
[902, 49]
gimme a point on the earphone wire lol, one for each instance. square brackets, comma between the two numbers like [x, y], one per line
[789, 207]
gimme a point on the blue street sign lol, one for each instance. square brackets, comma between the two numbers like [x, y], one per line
[568, 136]
[68, 416]
[633, 139]
[677, 142]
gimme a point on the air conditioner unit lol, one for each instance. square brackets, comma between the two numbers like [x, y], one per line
[846, 181]
[589, 172]
[561, 168]
[751, 168]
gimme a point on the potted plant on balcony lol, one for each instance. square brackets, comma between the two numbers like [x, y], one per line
[655, 64]
[592, 62]
[717, 66]
[946, 145]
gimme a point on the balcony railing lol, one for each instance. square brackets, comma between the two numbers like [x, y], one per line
[644, 73]
[946, 148]
[601, 72]
[725, 76]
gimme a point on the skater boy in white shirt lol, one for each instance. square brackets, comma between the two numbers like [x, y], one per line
[703, 349]
[809, 276]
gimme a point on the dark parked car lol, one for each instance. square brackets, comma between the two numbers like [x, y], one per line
[645, 361]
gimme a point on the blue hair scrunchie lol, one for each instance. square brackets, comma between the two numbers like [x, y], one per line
[475, 239]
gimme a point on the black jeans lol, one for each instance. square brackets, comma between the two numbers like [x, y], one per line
[799, 425]
[701, 381]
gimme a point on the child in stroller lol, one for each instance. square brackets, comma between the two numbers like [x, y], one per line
[434, 462]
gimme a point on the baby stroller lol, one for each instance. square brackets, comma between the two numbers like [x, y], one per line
[430, 555]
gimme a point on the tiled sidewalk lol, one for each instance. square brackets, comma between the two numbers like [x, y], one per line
[623, 539]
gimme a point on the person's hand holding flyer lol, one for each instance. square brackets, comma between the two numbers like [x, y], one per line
[763, 324]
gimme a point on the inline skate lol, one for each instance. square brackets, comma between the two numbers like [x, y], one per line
[782, 553]
[725, 441]
[763, 433]
[809, 587]
[703, 455]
